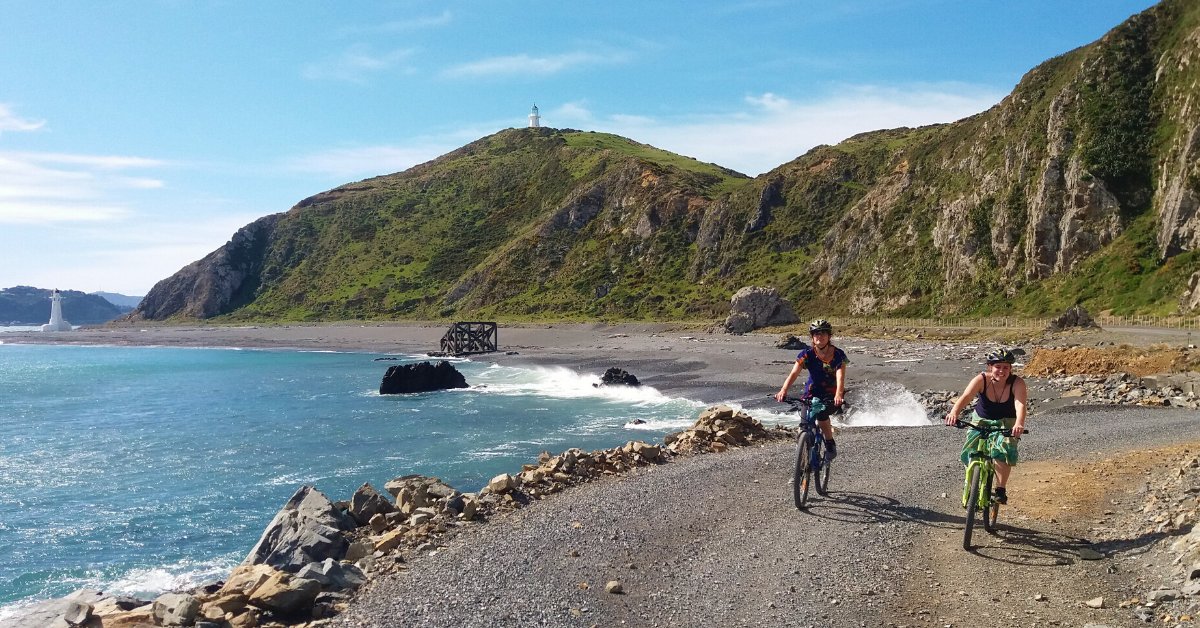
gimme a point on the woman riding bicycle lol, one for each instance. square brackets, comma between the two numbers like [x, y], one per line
[826, 385]
[1000, 399]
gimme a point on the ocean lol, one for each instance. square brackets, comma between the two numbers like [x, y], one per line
[139, 470]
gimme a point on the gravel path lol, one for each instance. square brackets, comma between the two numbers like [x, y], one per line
[714, 539]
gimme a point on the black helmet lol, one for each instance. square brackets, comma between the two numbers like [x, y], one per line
[1001, 355]
[820, 325]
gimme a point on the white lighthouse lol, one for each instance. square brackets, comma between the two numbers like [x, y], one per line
[535, 120]
[57, 323]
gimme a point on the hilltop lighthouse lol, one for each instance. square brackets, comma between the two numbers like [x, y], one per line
[535, 120]
[57, 323]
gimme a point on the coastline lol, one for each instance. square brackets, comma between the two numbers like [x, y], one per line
[676, 360]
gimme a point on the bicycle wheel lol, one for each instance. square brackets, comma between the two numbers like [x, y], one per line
[803, 472]
[993, 507]
[972, 504]
[821, 477]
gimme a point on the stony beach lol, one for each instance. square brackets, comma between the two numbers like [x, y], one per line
[711, 538]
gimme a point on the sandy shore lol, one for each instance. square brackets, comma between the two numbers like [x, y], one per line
[676, 359]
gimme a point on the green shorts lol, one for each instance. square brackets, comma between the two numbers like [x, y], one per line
[999, 447]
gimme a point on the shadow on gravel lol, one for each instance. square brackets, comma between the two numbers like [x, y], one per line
[1031, 548]
[855, 507]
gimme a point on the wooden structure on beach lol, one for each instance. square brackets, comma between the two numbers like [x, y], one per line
[464, 338]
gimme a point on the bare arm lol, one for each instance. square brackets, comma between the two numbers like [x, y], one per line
[973, 388]
[1021, 401]
[840, 394]
[787, 383]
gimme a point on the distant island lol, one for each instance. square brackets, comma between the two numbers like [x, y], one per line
[26, 305]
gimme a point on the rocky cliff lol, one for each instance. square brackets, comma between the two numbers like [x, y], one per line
[1081, 186]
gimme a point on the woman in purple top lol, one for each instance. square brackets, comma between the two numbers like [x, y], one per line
[826, 386]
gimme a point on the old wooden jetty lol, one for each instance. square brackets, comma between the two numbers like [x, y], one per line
[464, 338]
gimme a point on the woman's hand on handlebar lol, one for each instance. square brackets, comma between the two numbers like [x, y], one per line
[951, 420]
[781, 396]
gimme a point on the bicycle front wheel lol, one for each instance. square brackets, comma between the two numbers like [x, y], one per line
[992, 511]
[821, 477]
[972, 504]
[803, 471]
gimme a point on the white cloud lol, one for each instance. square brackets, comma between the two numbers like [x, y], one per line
[10, 121]
[63, 188]
[774, 130]
[355, 64]
[528, 65]
[405, 25]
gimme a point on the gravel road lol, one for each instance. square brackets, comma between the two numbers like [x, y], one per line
[714, 539]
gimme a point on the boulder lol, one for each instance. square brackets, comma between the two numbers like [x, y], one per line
[421, 377]
[753, 308]
[176, 609]
[334, 575]
[618, 377]
[58, 613]
[366, 503]
[285, 594]
[789, 341]
[1074, 318]
[307, 529]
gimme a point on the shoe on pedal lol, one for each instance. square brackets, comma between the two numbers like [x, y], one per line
[1000, 496]
[830, 450]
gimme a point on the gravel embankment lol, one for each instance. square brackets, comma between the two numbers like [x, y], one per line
[715, 540]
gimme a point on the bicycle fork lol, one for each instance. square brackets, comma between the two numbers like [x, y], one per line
[983, 479]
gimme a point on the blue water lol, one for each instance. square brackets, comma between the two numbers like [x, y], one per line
[143, 469]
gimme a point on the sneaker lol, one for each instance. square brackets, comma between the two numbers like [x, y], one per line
[830, 450]
[1000, 496]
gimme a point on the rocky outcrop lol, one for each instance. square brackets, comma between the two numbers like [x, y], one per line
[307, 529]
[212, 285]
[753, 308]
[720, 427]
[614, 376]
[1076, 317]
[421, 377]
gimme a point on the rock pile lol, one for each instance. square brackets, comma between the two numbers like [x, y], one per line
[315, 553]
[1074, 318]
[752, 308]
[1123, 389]
[1171, 510]
[788, 341]
[721, 427]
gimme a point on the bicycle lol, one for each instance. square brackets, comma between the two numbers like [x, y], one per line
[977, 483]
[811, 456]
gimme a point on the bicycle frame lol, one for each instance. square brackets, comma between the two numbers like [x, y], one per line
[987, 471]
[980, 473]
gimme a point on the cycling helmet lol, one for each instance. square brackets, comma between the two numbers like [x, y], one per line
[820, 325]
[1001, 355]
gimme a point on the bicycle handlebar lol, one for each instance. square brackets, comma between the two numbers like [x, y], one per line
[797, 400]
[960, 424]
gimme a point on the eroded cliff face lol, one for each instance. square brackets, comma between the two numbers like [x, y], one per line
[212, 285]
[1091, 147]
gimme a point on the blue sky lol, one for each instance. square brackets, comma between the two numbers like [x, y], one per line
[137, 136]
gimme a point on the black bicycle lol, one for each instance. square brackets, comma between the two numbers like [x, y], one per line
[813, 466]
[977, 485]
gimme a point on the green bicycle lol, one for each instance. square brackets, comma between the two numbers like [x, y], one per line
[977, 486]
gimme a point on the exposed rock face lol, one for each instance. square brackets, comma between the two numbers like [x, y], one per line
[307, 529]
[421, 377]
[209, 287]
[752, 308]
[790, 342]
[62, 612]
[366, 503]
[618, 377]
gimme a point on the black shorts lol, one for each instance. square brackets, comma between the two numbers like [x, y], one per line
[817, 409]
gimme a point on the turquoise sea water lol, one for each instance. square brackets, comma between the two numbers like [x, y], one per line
[143, 469]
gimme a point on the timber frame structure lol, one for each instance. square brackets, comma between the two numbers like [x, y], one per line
[464, 338]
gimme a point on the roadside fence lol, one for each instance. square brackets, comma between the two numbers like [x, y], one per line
[1014, 322]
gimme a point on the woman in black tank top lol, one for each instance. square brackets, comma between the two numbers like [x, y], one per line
[1000, 398]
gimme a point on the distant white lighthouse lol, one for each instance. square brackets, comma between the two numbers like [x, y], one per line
[535, 120]
[57, 323]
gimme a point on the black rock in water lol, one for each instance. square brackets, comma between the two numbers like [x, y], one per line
[618, 377]
[421, 377]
